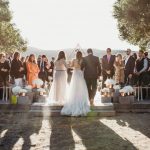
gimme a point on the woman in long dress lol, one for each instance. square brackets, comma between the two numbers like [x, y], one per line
[119, 69]
[32, 70]
[77, 103]
[58, 89]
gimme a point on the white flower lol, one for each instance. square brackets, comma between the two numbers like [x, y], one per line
[28, 87]
[105, 90]
[116, 87]
[23, 91]
[110, 82]
[38, 82]
[50, 78]
[123, 91]
[129, 89]
[16, 90]
[41, 90]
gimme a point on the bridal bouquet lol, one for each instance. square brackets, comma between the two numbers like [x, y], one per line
[37, 82]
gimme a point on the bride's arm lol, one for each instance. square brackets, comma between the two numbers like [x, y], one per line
[72, 64]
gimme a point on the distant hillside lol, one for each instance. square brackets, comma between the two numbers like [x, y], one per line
[70, 53]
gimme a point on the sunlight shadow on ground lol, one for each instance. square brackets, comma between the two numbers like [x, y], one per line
[137, 139]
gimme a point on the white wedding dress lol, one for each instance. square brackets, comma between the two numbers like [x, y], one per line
[57, 95]
[77, 103]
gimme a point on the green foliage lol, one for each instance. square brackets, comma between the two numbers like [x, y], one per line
[133, 18]
[10, 38]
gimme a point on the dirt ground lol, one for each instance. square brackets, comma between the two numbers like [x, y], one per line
[122, 132]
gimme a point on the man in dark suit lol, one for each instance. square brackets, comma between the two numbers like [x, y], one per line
[43, 70]
[129, 67]
[92, 71]
[108, 70]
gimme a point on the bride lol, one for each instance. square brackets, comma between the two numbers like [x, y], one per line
[77, 103]
[58, 89]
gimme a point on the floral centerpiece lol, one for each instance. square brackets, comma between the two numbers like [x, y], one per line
[23, 92]
[38, 83]
[127, 96]
[127, 90]
[116, 87]
[110, 83]
[41, 91]
[15, 91]
[105, 92]
[28, 88]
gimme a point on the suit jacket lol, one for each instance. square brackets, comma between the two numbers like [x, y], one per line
[91, 67]
[42, 68]
[129, 66]
[15, 67]
[108, 65]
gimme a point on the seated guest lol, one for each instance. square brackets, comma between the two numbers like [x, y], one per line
[42, 64]
[32, 70]
[108, 65]
[17, 69]
[129, 67]
[119, 69]
[141, 67]
[4, 73]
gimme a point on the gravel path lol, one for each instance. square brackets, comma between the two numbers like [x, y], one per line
[122, 132]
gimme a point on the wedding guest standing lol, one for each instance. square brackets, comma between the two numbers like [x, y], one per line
[119, 69]
[92, 71]
[42, 63]
[129, 67]
[141, 67]
[58, 90]
[4, 68]
[17, 69]
[52, 66]
[108, 65]
[32, 70]
[4, 72]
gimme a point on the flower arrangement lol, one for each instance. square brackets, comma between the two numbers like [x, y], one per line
[28, 88]
[116, 87]
[23, 92]
[129, 89]
[42, 91]
[16, 90]
[37, 82]
[50, 78]
[109, 83]
[126, 90]
[105, 92]
[123, 92]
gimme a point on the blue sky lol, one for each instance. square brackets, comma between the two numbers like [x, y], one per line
[56, 24]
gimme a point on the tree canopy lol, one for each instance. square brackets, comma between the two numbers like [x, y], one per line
[10, 38]
[133, 17]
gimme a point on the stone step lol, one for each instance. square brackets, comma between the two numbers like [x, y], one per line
[42, 106]
[93, 113]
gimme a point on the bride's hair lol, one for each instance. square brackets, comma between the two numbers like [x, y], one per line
[79, 56]
[61, 55]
